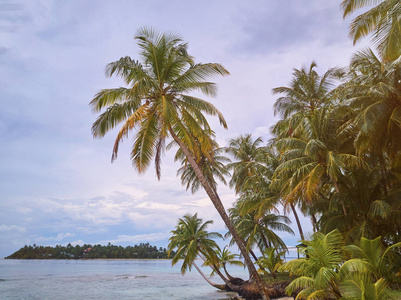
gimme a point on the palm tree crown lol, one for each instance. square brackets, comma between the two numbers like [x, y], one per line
[156, 102]
[191, 239]
[383, 20]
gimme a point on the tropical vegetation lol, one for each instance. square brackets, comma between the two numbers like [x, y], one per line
[334, 157]
[88, 251]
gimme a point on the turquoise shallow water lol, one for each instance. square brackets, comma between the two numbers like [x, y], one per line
[104, 279]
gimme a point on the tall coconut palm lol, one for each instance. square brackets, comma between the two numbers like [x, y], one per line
[300, 107]
[375, 93]
[260, 231]
[307, 92]
[211, 169]
[156, 105]
[383, 20]
[249, 162]
[314, 160]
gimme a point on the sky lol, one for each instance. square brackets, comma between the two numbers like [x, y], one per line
[57, 184]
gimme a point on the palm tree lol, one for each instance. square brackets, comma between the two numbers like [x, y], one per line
[249, 162]
[225, 257]
[211, 169]
[271, 260]
[259, 231]
[374, 212]
[375, 258]
[314, 160]
[318, 272]
[374, 92]
[302, 109]
[191, 239]
[361, 286]
[307, 92]
[156, 105]
[156, 101]
[383, 21]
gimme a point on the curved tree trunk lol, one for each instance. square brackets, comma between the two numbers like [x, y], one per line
[301, 233]
[264, 241]
[228, 274]
[223, 214]
[214, 267]
[314, 223]
[232, 284]
[222, 287]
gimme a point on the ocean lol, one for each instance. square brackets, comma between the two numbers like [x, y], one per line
[105, 279]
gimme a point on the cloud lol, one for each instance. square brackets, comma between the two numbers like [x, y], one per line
[57, 183]
[78, 242]
[277, 27]
[132, 239]
[60, 237]
[12, 228]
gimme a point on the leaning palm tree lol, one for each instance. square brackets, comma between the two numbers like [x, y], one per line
[224, 258]
[191, 239]
[157, 106]
[383, 20]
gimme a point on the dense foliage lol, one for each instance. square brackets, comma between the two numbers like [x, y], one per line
[334, 156]
[141, 251]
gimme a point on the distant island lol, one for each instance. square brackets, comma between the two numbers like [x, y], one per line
[87, 251]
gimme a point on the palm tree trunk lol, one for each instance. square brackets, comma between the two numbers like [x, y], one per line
[301, 233]
[217, 286]
[314, 223]
[384, 172]
[342, 202]
[232, 283]
[256, 260]
[264, 241]
[223, 214]
[214, 267]
[253, 255]
[228, 274]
